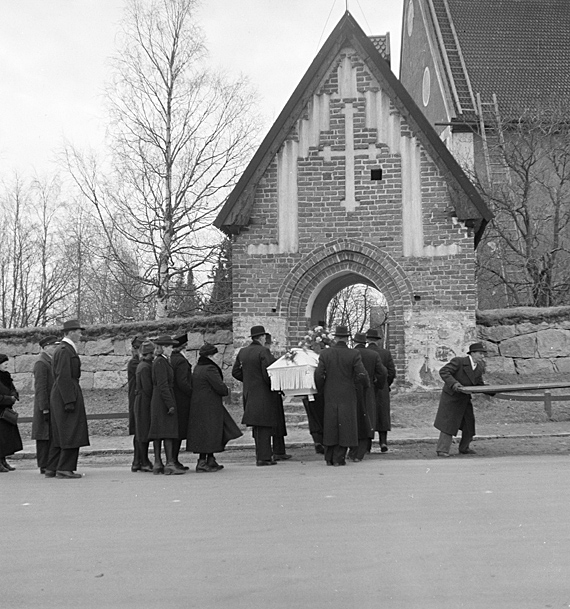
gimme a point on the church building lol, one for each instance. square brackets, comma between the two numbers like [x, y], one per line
[352, 185]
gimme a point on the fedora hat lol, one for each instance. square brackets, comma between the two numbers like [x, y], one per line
[373, 334]
[147, 348]
[181, 340]
[257, 331]
[359, 337]
[165, 340]
[72, 324]
[137, 341]
[342, 331]
[207, 349]
[48, 340]
[475, 347]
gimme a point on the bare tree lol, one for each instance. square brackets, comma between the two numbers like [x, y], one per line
[352, 307]
[180, 136]
[524, 258]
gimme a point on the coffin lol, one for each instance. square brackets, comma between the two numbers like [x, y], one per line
[294, 377]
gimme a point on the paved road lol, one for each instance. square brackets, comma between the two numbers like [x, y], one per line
[465, 532]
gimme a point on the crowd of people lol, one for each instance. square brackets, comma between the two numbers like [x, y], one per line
[169, 403]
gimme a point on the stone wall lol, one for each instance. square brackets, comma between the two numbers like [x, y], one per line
[526, 341]
[105, 350]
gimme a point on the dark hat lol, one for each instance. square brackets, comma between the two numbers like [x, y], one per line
[181, 340]
[359, 337]
[3, 358]
[257, 331]
[137, 341]
[477, 347]
[207, 349]
[147, 348]
[341, 331]
[373, 334]
[48, 340]
[165, 340]
[72, 324]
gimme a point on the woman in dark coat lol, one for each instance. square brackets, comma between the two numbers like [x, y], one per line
[163, 420]
[141, 409]
[10, 440]
[131, 386]
[182, 392]
[210, 426]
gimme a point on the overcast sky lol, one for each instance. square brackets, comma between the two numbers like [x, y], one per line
[54, 61]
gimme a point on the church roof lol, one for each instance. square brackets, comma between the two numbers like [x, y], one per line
[468, 203]
[518, 49]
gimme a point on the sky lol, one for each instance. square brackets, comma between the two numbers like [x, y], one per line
[54, 62]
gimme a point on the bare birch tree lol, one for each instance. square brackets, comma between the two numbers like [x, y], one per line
[180, 136]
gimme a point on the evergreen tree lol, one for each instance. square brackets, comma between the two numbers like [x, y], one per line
[221, 297]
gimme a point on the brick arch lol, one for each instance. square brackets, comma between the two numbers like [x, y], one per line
[328, 269]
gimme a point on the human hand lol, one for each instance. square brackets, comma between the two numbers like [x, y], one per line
[170, 411]
[46, 415]
[457, 387]
[69, 408]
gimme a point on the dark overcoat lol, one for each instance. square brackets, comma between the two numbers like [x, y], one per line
[132, 390]
[383, 418]
[338, 372]
[43, 383]
[259, 403]
[210, 425]
[69, 429]
[10, 440]
[162, 424]
[377, 376]
[182, 390]
[454, 406]
[143, 380]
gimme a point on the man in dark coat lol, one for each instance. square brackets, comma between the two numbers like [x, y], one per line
[182, 392]
[132, 392]
[377, 375]
[455, 407]
[280, 430]
[383, 419]
[261, 411]
[43, 383]
[68, 418]
[338, 372]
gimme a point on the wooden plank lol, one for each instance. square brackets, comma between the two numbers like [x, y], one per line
[508, 388]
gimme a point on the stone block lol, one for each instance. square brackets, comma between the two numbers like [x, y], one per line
[24, 383]
[500, 365]
[553, 343]
[101, 346]
[86, 380]
[24, 363]
[108, 379]
[519, 346]
[492, 348]
[223, 337]
[195, 340]
[496, 333]
[122, 346]
[533, 366]
[528, 328]
[562, 365]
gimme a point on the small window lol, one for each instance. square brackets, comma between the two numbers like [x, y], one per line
[376, 174]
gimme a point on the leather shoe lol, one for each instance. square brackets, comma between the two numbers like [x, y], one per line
[283, 457]
[181, 466]
[343, 462]
[146, 468]
[383, 448]
[262, 463]
[442, 454]
[468, 451]
[136, 467]
[170, 469]
[319, 449]
[49, 473]
[3, 470]
[7, 465]
[158, 468]
[67, 475]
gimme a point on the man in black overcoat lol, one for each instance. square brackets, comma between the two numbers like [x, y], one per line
[455, 410]
[383, 418]
[68, 417]
[338, 372]
[377, 375]
[182, 392]
[261, 411]
[43, 383]
[131, 393]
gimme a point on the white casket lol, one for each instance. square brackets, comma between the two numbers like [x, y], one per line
[294, 377]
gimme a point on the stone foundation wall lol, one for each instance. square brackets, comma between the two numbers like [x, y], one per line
[525, 341]
[105, 351]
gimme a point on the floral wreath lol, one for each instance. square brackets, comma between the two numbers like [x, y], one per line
[317, 336]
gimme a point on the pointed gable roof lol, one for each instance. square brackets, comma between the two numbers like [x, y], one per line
[469, 206]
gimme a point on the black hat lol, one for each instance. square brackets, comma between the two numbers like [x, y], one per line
[48, 340]
[341, 331]
[72, 324]
[257, 331]
[3, 358]
[165, 340]
[477, 347]
[373, 334]
[207, 349]
[359, 337]
[181, 340]
[137, 341]
[147, 348]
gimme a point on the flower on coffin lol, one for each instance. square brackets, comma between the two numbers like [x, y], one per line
[317, 337]
[290, 355]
